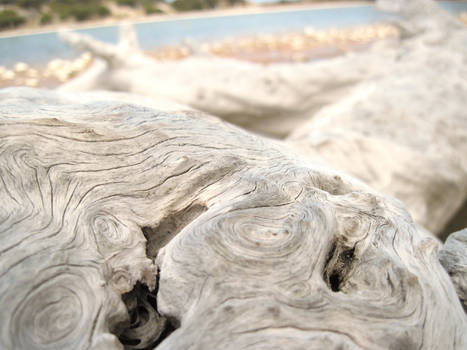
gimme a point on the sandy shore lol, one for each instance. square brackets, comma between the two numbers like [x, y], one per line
[235, 11]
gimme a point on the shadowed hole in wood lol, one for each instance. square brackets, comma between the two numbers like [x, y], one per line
[339, 264]
[157, 237]
[147, 328]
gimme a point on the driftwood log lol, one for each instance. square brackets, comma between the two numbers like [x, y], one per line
[404, 131]
[270, 100]
[127, 227]
[392, 116]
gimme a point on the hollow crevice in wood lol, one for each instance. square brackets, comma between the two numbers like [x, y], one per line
[339, 264]
[157, 237]
[146, 328]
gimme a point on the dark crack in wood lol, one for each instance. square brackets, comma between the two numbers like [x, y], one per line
[157, 237]
[146, 327]
[339, 264]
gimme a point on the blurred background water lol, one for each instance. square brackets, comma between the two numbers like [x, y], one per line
[37, 49]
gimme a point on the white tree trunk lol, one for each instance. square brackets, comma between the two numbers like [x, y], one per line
[244, 244]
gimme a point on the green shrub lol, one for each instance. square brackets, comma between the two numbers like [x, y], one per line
[79, 10]
[149, 8]
[103, 11]
[62, 8]
[45, 18]
[30, 3]
[131, 3]
[188, 5]
[10, 19]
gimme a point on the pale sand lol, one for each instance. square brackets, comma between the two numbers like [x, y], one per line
[235, 11]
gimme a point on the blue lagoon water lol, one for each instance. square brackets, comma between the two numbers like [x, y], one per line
[37, 49]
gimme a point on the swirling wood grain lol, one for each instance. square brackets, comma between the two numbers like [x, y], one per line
[256, 247]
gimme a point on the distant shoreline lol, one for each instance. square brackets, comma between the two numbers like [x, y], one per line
[234, 11]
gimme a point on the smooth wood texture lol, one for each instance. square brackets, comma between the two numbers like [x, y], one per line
[264, 249]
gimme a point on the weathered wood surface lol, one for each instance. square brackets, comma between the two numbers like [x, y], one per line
[249, 246]
[407, 137]
[393, 116]
[404, 131]
[453, 257]
[420, 17]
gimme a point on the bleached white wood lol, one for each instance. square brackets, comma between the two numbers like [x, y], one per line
[267, 99]
[256, 247]
[404, 130]
[393, 116]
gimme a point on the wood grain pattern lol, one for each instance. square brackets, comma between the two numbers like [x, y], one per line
[268, 251]
[403, 130]
[393, 116]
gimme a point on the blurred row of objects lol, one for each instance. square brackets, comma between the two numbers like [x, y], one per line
[309, 44]
[57, 71]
